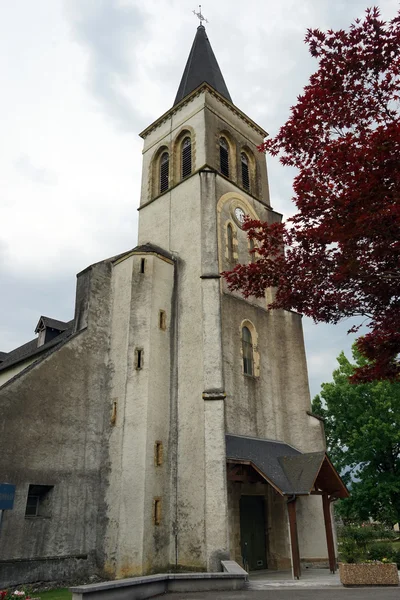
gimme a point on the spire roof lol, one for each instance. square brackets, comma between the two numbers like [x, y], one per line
[201, 67]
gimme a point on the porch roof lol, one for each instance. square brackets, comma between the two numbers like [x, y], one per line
[287, 469]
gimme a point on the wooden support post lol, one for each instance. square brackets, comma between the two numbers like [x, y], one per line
[329, 533]
[294, 540]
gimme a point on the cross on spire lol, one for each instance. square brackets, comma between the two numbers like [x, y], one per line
[200, 16]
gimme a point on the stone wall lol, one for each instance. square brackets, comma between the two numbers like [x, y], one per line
[52, 432]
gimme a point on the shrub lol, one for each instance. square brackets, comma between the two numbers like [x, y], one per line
[396, 557]
[381, 550]
[355, 543]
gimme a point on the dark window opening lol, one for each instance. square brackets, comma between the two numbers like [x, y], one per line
[157, 511]
[253, 257]
[231, 257]
[142, 264]
[158, 454]
[162, 320]
[164, 172]
[186, 157]
[245, 171]
[224, 157]
[139, 358]
[247, 349]
[38, 501]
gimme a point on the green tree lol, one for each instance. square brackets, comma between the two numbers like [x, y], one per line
[362, 426]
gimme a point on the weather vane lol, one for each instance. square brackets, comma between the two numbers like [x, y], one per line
[200, 16]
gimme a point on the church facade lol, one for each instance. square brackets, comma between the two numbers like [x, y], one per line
[168, 425]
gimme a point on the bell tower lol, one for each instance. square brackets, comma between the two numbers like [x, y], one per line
[234, 367]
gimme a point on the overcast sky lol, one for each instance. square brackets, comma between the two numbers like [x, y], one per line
[79, 80]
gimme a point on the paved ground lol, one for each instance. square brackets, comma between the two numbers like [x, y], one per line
[315, 584]
[310, 578]
[295, 594]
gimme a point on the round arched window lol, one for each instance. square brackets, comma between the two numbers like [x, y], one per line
[224, 157]
[186, 157]
[245, 171]
[247, 351]
[164, 172]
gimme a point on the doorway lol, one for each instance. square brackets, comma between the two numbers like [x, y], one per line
[252, 532]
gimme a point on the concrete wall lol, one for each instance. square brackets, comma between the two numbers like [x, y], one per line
[66, 568]
[52, 429]
[134, 543]
[183, 221]
[311, 530]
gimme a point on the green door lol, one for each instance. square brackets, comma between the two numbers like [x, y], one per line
[252, 532]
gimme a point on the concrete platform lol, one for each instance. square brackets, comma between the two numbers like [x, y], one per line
[310, 578]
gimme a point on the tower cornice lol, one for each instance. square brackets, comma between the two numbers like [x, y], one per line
[204, 87]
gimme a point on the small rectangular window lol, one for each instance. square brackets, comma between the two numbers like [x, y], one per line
[38, 501]
[158, 454]
[162, 320]
[138, 358]
[142, 264]
[157, 511]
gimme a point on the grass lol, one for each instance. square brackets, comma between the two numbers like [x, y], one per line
[60, 594]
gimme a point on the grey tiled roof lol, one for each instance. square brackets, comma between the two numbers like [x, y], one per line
[201, 67]
[31, 349]
[52, 323]
[291, 471]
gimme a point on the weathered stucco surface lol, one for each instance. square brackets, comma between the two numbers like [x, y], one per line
[92, 415]
[52, 432]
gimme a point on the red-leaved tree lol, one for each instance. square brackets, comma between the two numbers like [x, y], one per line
[341, 252]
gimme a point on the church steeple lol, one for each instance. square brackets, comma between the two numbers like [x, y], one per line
[201, 67]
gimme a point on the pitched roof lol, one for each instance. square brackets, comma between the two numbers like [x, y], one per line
[52, 323]
[287, 469]
[201, 67]
[31, 349]
[3, 355]
[152, 248]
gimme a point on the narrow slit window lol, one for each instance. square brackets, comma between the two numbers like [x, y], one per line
[186, 166]
[139, 358]
[157, 511]
[229, 233]
[224, 156]
[253, 257]
[162, 320]
[142, 264]
[245, 171]
[158, 454]
[164, 172]
[247, 350]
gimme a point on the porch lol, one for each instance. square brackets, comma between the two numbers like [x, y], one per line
[279, 503]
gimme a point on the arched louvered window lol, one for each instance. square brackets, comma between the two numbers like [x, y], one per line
[245, 171]
[229, 232]
[247, 351]
[224, 157]
[186, 157]
[164, 172]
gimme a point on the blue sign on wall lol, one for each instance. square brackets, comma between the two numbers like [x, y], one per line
[7, 493]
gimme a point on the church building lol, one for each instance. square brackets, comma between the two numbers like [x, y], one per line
[167, 426]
